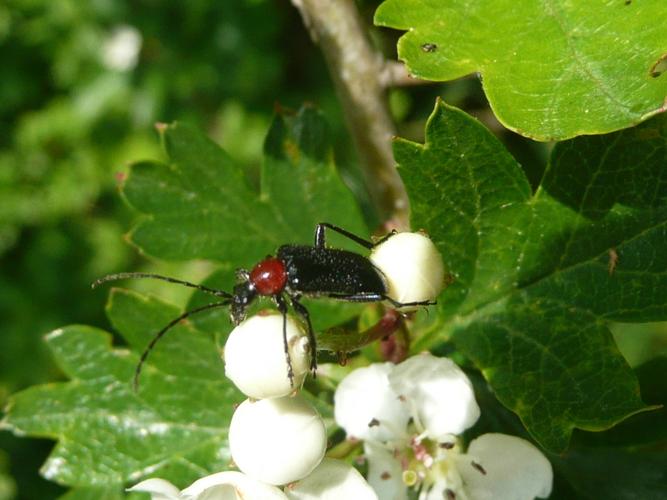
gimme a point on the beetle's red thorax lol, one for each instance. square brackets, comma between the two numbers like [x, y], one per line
[269, 276]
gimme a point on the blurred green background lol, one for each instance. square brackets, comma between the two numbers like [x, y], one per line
[82, 84]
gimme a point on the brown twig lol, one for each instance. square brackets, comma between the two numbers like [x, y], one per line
[395, 74]
[357, 71]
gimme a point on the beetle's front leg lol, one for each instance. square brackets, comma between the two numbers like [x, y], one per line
[282, 307]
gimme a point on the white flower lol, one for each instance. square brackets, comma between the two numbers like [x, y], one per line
[230, 485]
[438, 394]
[423, 450]
[277, 441]
[121, 50]
[412, 265]
[332, 480]
[255, 356]
[355, 407]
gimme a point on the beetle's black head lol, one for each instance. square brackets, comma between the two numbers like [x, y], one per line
[244, 294]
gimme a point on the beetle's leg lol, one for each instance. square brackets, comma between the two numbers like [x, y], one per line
[320, 237]
[378, 297]
[282, 307]
[385, 237]
[303, 312]
[359, 297]
[398, 304]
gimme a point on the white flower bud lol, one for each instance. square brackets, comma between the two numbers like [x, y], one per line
[277, 441]
[255, 356]
[332, 480]
[412, 266]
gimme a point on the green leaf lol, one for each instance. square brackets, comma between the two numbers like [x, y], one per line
[632, 449]
[174, 427]
[647, 429]
[615, 473]
[629, 460]
[101, 494]
[137, 318]
[538, 276]
[551, 70]
[200, 204]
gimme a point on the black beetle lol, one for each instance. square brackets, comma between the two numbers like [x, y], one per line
[295, 271]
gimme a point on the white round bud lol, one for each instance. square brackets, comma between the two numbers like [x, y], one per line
[412, 266]
[277, 441]
[255, 356]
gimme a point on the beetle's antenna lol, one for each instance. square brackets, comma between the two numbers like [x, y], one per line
[122, 276]
[158, 336]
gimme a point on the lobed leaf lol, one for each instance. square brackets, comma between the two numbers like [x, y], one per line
[537, 276]
[201, 205]
[627, 461]
[175, 426]
[551, 70]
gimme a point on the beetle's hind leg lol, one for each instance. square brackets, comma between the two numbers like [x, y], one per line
[378, 297]
[385, 237]
[396, 304]
[320, 238]
[303, 312]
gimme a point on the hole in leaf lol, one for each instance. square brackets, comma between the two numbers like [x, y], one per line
[659, 67]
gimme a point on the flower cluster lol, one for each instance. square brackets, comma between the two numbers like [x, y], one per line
[275, 436]
[410, 416]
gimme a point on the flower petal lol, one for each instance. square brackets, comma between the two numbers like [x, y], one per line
[277, 441]
[159, 489]
[367, 408]
[438, 394]
[385, 473]
[231, 485]
[507, 468]
[436, 491]
[332, 480]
